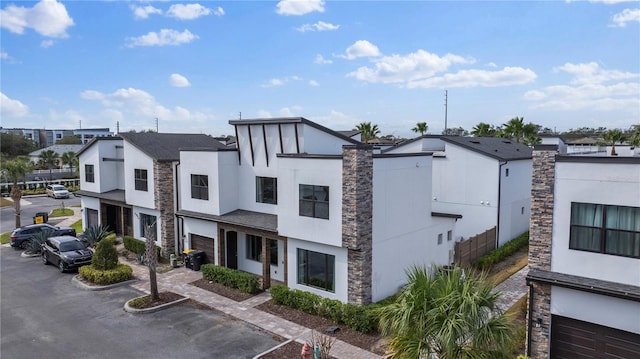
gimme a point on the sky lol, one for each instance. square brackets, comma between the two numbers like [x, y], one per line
[190, 67]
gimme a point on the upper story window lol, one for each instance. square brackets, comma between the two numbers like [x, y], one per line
[605, 229]
[267, 190]
[89, 175]
[200, 187]
[314, 201]
[141, 179]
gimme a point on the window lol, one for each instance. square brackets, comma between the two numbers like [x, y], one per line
[267, 190]
[316, 270]
[140, 179]
[506, 172]
[605, 229]
[273, 248]
[88, 173]
[314, 201]
[254, 248]
[148, 221]
[439, 238]
[200, 187]
[449, 236]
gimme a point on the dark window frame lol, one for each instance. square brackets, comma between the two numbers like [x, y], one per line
[147, 219]
[200, 187]
[140, 177]
[253, 250]
[304, 265]
[89, 175]
[310, 205]
[601, 232]
[267, 190]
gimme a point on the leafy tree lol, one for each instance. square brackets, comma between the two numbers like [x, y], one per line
[12, 145]
[514, 128]
[106, 256]
[68, 158]
[367, 131]
[421, 127]
[15, 171]
[457, 131]
[612, 137]
[634, 136]
[49, 159]
[531, 140]
[483, 130]
[446, 314]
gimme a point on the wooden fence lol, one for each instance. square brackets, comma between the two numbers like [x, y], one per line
[468, 251]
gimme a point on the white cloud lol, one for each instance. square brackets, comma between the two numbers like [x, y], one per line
[46, 43]
[361, 48]
[321, 60]
[276, 82]
[508, 76]
[299, 7]
[143, 12]
[188, 11]
[610, 2]
[313, 83]
[10, 108]
[289, 111]
[264, 114]
[163, 38]
[318, 26]
[177, 80]
[492, 64]
[48, 18]
[219, 11]
[627, 15]
[4, 55]
[403, 69]
[591, 73]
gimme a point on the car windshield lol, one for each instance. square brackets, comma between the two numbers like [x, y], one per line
[58, 188]
[71, 246]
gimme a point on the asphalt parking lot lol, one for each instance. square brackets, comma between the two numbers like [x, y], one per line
[43, 315]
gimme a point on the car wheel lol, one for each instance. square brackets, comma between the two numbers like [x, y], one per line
[61, 266]
[24, 244]
[44, 258]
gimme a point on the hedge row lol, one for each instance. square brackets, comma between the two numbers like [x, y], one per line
[120, 273]
[136, 246]
[497, 255]
[359, 318]
[232, 278]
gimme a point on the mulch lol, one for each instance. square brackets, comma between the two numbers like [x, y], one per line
[290, 350]
[231, 293]
[165, 297]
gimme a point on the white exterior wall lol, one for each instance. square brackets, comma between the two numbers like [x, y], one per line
[600, 183]
[203, 228]
[228, 189]
[515, 200]
[599, 309]
[136, 159]
[318, 142]
[466, 183]
[404, 232]
[89, 203]
[108, 175]
[255, 267]
[137, 232]
[321, 172]
[340, 267]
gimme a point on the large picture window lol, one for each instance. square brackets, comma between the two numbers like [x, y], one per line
[267, 190]
[200, 187]
[140, 178]
[605, 229]
[89, 175]
[316, 270]
[314, 201]
[148, 221]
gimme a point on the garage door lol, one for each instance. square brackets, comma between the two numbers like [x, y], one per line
[572, 338]
[204, 244]
[92, 217]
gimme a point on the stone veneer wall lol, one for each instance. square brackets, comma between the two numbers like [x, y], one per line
[357, 213]
[164, 202]
[540, 235]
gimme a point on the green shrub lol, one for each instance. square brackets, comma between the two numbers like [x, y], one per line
[279, 294]
[306, 301]
[359, 318]
[497, 255]
[95, 234]
[120, 273]
[330, 308]
[246, 282]
[106, 256]
[136, 246]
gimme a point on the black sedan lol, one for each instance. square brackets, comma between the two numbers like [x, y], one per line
[66, 252]
[20, 237]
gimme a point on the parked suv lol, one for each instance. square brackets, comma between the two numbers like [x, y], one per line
[66, 252]
[57, 191]
[20, 237]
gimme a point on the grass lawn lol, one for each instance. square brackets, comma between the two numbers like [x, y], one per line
[5, 202]
[61, 212]
[508, 266]
[4, 237]
[77, 226]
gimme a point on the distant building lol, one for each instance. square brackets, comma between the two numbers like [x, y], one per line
[45, 138]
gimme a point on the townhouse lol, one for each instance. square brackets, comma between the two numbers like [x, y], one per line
[312, 208]
[486, 180]
[584, 256]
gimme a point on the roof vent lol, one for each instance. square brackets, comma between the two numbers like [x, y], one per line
[476, 142]
[505, 141]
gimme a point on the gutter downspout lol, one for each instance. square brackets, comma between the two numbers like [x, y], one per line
[530, 311]
[176, 244]
[502, 163]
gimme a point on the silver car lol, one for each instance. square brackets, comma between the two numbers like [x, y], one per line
[57, 191]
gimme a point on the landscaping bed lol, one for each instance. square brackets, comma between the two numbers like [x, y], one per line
[290, 350]
[231, 293]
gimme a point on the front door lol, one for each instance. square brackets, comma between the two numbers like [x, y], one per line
[232, 249]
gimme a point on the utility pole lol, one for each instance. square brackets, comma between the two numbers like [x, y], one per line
[117, 127]
[240, 115]
[157, 125]
[445, 110]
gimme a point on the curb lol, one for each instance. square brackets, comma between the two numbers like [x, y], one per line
[128, 308]
[32, 255]
[80, 284]
[273, 349]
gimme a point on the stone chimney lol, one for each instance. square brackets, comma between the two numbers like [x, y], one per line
[542, 197]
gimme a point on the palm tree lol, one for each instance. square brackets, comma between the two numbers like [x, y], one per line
[49, 159]
[446, 314]
[612, 137]
[483, 130]
[68, 158]
[421, 127]
[514, 128]
[367, 131]
[634, 137]
[16, 171]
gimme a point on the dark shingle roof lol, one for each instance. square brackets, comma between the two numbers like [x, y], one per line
[166, 146]
[498, 148]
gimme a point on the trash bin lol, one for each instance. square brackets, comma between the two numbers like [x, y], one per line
[196, 258]
[41, 217]
[186, 258]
